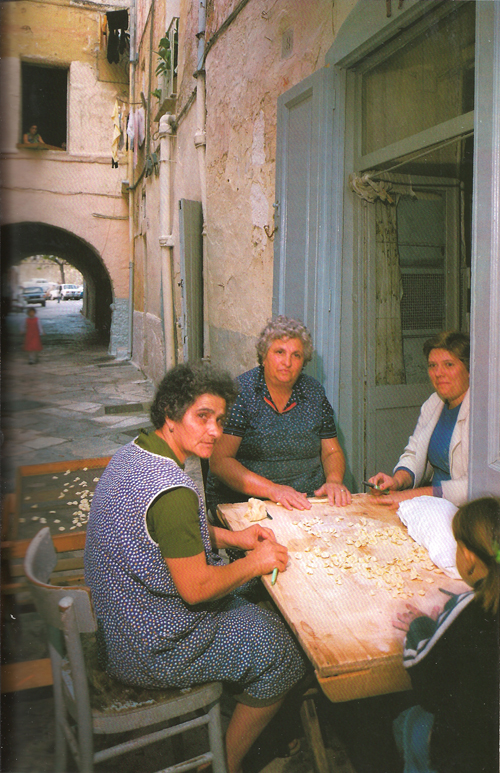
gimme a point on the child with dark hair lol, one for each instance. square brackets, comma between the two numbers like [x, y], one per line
[452, 659]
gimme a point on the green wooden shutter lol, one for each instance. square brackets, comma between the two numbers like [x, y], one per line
[191, 261]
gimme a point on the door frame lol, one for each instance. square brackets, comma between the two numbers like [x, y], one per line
[366, 28]
[342, 229]
[484, 461]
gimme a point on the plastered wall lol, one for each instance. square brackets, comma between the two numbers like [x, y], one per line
[260, 56]
[265, 50]
[75, 189]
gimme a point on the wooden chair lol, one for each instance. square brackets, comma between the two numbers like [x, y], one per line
[88, 701]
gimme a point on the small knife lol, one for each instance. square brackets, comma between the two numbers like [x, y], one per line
[377, 488]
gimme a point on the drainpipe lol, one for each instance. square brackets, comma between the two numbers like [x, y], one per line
[166, 238]
[200, 142]
[130, 177]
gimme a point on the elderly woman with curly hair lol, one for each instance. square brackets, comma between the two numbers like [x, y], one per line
[280, 440]
[171, 613]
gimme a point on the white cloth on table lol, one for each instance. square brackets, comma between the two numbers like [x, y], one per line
[428, 520]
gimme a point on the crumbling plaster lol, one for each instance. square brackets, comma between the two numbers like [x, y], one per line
[246, 72]
[185, 184]
[247, 69]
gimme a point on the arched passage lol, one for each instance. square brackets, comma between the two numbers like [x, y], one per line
[21, 240]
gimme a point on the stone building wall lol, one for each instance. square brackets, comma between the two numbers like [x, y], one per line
[263, 53]
[260, 54]
[75, 188]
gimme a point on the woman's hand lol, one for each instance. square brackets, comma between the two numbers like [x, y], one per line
[394, 498]
[384, 482]
[224, 464]
[400, 481]
[288, 497]
[263, 552]
[405, 619]
[248, 539]
[337, 494]
[198, 582]
[267, 556]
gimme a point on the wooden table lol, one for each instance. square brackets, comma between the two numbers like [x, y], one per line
[351, 570]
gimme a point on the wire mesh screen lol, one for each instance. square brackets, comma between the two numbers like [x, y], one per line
[423, 302]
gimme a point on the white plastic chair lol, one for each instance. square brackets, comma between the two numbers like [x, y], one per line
[88, 701]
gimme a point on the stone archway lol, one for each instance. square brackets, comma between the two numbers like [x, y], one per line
[20, 240]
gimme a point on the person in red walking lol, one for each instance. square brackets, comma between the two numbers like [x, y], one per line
[33, 331]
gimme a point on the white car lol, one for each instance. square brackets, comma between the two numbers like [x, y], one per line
[70, 293]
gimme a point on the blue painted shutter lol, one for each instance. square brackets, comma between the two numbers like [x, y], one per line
[307, 243]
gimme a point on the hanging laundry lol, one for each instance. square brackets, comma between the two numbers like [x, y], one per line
[141, 126]
[132, 133]
[122, 115]
[118, 37]
[117, 134]
[131, 126]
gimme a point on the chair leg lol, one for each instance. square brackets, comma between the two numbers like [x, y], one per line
[312, 730]
[215, 739]
[85, 746]
[61, 751]
[61, 747]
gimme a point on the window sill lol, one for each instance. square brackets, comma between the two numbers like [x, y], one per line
[39, 146]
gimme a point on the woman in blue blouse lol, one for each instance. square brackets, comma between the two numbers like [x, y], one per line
[435, 461]
[280, 441]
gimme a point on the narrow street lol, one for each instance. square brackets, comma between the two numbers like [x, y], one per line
[70, 405]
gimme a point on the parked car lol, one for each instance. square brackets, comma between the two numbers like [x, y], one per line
[34, 295]
[80, 291]
[69, 293]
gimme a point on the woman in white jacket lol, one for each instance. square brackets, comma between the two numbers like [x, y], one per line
[435, 461]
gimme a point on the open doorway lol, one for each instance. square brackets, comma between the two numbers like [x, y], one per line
[434, 115]
[414, 165]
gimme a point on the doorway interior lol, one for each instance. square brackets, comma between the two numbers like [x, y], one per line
[413, 157]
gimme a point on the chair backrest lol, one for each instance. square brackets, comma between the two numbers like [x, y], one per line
[39, 562]
[69, 610]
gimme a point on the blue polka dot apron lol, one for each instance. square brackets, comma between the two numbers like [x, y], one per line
[149, 635]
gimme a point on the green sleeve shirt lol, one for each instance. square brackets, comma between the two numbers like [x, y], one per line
[172, 519]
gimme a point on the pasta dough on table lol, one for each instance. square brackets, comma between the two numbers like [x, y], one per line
[256, 510]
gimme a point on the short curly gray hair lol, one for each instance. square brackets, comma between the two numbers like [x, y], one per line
[284, 327]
